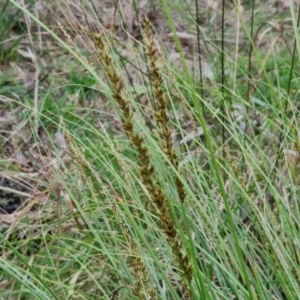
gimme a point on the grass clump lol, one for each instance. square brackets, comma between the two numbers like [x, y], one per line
[162, 162]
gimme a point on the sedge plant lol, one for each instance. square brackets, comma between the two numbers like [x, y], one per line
[175, 180]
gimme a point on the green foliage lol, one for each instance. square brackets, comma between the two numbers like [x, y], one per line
[10, 22]
[9, 85]
[83, 85]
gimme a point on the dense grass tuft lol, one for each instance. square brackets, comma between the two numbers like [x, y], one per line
[151, 149]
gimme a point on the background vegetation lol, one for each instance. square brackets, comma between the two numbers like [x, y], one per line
[150, 149]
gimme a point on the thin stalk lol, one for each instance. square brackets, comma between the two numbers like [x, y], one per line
[280, 142]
